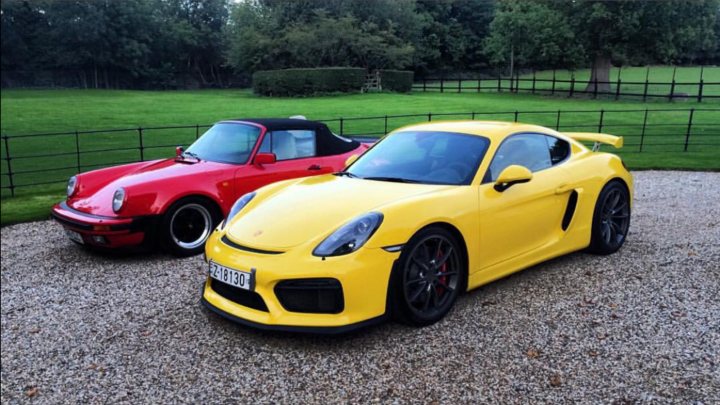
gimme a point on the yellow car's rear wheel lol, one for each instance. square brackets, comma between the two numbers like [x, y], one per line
[430, 280]
[611, 220]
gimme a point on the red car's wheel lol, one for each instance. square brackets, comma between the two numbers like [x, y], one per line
[431, 277]
[187, 224]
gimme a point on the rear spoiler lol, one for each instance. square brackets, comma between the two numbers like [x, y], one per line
[615, 141]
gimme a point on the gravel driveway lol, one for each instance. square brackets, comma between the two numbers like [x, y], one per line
[642, 325]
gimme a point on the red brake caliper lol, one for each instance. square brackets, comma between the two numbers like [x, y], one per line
[443, 279]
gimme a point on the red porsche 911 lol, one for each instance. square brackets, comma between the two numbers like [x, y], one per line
[178, 202]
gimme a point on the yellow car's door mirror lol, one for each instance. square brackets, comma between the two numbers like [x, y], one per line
[351, 160]
[511, 175]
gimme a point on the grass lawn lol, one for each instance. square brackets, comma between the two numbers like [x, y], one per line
[38, 111]
[632, 82]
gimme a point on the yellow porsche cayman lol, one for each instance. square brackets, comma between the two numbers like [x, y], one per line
[428, 212]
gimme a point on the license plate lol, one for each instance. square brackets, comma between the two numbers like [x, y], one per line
[74, 236]
[235, 278]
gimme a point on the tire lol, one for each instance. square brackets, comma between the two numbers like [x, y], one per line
[428, 277]
[611, 219]
[187, 224]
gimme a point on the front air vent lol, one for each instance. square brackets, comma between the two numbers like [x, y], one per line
[232, 244]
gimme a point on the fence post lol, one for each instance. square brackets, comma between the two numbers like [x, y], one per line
[442, 84]
[595, 91]
[77, 150]
[9, 166]
[472, 116]
[700, 90]
[142, 148]
[385, 125]
[572, 85]
[197, 131]
[672, 90]
[553, 84]
[647, 81]
[600, 123]
[533, 85]
[459, 84]
[516, 115]
[689, 129]
[642, 134]
[557, 121]
[342, 129]
[429, 116]
[617, 89]
[424, 84]
[499, 84]
[479, 83]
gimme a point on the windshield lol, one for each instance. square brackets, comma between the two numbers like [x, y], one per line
[423, 157]
[226, 142]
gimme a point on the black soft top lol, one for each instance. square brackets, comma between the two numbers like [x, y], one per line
[327, 142]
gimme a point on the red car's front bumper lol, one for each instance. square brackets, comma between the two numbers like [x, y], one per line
[102, 231]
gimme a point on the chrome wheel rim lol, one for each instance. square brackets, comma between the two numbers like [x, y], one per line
[190, 226]
[615, 219]
[431, 276]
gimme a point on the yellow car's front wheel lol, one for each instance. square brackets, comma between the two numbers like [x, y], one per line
[430, 277]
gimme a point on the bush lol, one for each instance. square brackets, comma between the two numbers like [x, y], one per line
[302, 82]
[400, 81]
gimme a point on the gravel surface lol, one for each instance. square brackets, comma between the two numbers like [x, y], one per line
[642, 325]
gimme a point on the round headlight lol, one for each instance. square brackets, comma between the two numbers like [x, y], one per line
[118, 199]
[71, 186]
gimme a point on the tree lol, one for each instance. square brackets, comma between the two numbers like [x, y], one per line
[531, 34]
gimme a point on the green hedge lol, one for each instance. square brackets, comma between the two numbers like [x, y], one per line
[400, 81]
[302, 82]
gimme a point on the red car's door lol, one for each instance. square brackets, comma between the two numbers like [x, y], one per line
[296, 156]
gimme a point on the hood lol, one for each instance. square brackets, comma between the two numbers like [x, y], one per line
[313, 208]
[97, 187]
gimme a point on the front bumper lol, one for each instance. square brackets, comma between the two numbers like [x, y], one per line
[363, 275]
[102, 231]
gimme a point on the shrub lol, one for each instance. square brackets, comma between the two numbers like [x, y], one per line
[301, 82]
[400, 81]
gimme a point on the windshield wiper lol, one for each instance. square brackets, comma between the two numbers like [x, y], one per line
[191, 154]
[348, 174]
[393, 179]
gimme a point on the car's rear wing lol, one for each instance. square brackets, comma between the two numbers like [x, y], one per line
[615, 141]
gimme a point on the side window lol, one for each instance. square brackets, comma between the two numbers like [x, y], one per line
[528, 150]
[289, 144]
[559, 149]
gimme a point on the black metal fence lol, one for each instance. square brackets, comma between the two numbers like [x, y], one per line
[45, 160]
[671, 91]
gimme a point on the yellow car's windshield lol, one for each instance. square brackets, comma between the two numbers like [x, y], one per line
[423, 157]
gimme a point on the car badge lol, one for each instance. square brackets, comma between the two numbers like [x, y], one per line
[258, 233]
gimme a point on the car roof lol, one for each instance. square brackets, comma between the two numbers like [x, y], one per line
[275, 124]
[495, 130]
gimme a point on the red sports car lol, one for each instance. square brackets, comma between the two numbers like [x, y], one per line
[179, 201]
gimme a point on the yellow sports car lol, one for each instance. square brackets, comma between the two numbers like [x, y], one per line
[428, 212]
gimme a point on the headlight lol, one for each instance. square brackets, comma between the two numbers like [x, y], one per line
[349, 237]
[239, 204]
[118, 199]
[71, 186]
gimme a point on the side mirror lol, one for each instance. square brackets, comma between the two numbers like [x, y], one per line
[512, 175]
[179, 151]
[351, 160]
[265, 159]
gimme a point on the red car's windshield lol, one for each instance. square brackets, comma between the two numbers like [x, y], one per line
[226, 142]
[423, 157]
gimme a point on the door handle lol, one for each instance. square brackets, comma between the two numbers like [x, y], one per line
[563, 188]
[314, 167]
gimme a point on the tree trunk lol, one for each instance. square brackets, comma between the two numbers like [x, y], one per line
[600, 75]
[512, 59]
